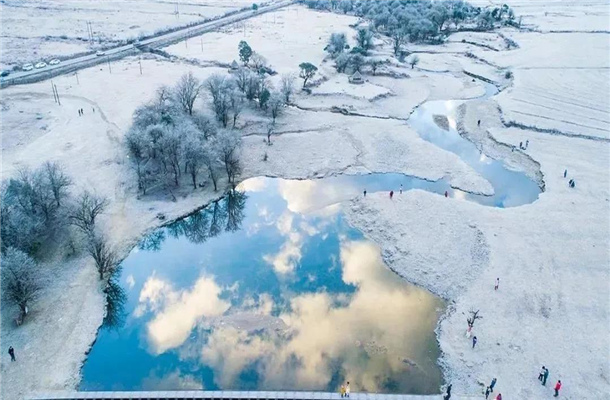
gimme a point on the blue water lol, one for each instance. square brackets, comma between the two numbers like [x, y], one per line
[270, 289]
[265, 289]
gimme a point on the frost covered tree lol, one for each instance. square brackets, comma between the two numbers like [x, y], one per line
[342, 62]
[194, 155]
[259, 63]
[263, 98]
[336, 44]
[186, 91]
[237, 101]
[211, 159]
[245, 52]
[276, 105]
[20, 280]
[220, 89]
[287, 87]
[413, 61]
[105, 258]
[399, 36]
[58, 181]
[86, 209]
[364, 38]
[229, 142]
[308, 70]
[356, 62]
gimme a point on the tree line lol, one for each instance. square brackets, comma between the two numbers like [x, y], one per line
[419, 21]
[41, 214]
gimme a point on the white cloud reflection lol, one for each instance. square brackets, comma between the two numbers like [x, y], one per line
[177, 311]
[372, 332]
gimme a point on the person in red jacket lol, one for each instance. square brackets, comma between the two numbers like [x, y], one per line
[557, 387]
[499, 396]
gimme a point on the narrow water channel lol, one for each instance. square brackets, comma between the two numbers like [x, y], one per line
[270, 289]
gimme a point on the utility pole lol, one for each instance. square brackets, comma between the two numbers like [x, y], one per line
[55, 93]
[53, 90]
[108, 59]
[201, 44]
[76, 74]
[140, 62]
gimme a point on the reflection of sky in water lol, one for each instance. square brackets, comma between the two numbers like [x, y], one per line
[294, 299]
[512, 188]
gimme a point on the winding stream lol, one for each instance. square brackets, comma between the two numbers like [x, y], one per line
[269, 288]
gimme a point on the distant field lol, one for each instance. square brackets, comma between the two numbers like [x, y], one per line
[41, 29]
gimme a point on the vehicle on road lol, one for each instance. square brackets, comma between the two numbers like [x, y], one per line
[4, 73]
[27, 67]
[41, 64]
[100, 53]
[54, 61]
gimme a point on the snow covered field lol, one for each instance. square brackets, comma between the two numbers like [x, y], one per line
[552, 258]
[43, 29]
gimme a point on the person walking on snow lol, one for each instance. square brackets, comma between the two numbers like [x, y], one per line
[342, 391]
[487, 392]
[364, 192]
[11, 352]
[448, 394]
[479, 123]
[391, 194]
[545, 376]
[497, 284]
[557, 387]
[565, 173]
[527, 143]
[541, 374]
[521, 145]
[347, 390]
[401, 188]
[446, 194]
[474, 341]
[492, 384]
[499, 396]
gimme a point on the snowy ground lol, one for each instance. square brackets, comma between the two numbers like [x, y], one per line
[28, 35]
[546, 253]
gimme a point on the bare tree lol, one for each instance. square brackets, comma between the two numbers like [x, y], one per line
[236, 99]
[229, 142]
[374, 65]
[20, 280]
[413, 61]
[105, 258]
[276, 105]
[474, 315]
[194, 154]
[259, 63]
[58, 181]
[336, 44]
[220, 89]
[211, 157]
[287, 86]
[308, 70]
[186, 91]
[137, 144]
[88, 206]
[242, 76]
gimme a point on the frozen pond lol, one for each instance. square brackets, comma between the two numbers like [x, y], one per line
[266, 289]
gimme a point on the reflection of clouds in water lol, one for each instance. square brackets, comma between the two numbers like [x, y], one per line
[305, 196]
[372, 332]
[172, 381]
[257, 184]
[177, 311]
[288, 257]
[131, 282]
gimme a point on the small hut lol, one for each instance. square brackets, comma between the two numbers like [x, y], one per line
[356, 78]
[234, 66]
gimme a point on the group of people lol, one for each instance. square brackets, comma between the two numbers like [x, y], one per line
[522, 147]
[490, 389]
[571, 182]
[81, 111]
[544, 375]
[345, 390]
